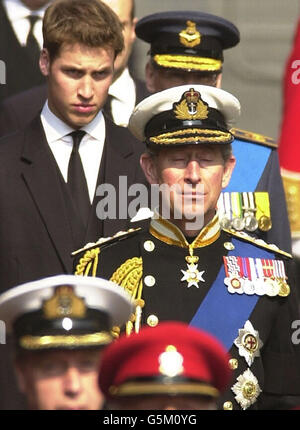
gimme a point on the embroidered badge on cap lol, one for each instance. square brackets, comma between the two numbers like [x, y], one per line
[190, 36]
[191, 106]
[64, 302]
[170, 362]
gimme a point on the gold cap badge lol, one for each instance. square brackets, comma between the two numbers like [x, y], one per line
[64, 303]
[191, 106]
[171, 362]
[190, 36]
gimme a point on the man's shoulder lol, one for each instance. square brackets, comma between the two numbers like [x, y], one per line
[10, 142]
[257, 138]
[122, 138]
[120, 238]
[36, 95]
[13, 142]
[113, 251]
[258, 243]
[17, 111]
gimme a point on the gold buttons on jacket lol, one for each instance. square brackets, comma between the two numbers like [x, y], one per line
[152, 320]
[229, 246]
[233, 363]
[149, 281]
[149, 245]
[228, 406]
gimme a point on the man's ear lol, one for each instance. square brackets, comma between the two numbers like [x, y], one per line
[44, 62]
[134, 22]
[229, 166]
[219, 81]
[149, 77]
[149, 167]
[20, 376]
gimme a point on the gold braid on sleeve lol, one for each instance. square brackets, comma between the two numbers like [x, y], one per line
[88, 263]
[129, 276]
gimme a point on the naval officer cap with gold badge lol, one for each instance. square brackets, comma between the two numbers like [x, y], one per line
[64, 311]
[60, 326]
[185, 115]
[171, 366]
[187, 40]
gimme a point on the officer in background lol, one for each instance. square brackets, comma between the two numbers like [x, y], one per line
[184, 267]
[187, 47]
[169, 367]
[21, 41]
[60, 326]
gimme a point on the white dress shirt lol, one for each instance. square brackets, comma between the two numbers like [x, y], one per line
[90, 148]
[124, 98]
[17, 13]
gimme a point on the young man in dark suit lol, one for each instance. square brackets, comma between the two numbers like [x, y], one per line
[124, 93]
[45, 228]
[41, 221]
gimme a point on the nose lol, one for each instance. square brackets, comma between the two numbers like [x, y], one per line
[72, 382]
[86, 88]
[192, 172]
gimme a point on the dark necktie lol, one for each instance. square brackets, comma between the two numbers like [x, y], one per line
[76, 179]
[32, 46]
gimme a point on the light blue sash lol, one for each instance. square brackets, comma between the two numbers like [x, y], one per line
[250, 164]
[222, 313]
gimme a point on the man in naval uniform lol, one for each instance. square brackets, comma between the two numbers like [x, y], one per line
[187, 47]
[60, 326]
[184, 267]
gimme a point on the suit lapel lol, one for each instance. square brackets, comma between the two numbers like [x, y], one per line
[41, 176]
[116, 161]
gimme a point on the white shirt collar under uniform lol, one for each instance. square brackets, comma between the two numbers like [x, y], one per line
[17, 13]
[124, 98]
[90, 148]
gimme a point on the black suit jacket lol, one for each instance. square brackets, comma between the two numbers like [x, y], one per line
[21, 72]
[37, 234]
[17, 111]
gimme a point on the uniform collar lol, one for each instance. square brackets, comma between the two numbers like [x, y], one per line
[167, 232]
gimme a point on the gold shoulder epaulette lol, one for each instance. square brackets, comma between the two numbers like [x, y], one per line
[107, 240]
[259, 242]
[250, 136]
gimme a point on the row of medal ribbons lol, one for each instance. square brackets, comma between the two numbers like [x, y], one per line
[255, 276]
[245, 211]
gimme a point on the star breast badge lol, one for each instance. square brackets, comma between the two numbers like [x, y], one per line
[192, 275]
[248, 343]
[246, 389]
